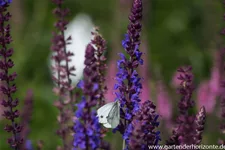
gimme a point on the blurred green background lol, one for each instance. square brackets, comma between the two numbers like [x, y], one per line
[177, 33]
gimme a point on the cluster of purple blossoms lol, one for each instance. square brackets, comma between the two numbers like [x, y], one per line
[142, 128]
[8, 88]
[88, 132]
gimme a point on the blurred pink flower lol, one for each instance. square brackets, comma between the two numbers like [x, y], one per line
[214, 82]
[163, 101]
[208, 91]
[110, 81]
[145, 92]
[205, 97]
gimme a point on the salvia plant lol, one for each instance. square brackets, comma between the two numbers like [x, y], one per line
[135, 117]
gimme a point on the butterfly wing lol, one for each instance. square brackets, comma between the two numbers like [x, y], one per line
[107, 125]
[114, 115]
[103, 112]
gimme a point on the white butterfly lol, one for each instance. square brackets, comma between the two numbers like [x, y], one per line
[109, 114]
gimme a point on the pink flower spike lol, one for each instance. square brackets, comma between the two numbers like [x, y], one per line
[205, 97]
[163, 101]
[214, 83]
[144, 95]
[110, 82]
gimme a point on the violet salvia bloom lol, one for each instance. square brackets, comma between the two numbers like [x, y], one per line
[143, 133]
[8, 88]
[62, 74]
[183, 133]
[88, 133]
[199, 123]
[26, 117]
[128, 80]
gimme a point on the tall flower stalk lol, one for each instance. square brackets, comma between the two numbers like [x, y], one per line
[128, 81]
[183, 131]
[8, 88]
[62, 73]
[88, 134]
[189, 127]
[100, 45]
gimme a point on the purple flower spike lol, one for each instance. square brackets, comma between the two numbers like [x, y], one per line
[62, 72]
[8, 88]
[87, 130]
[184, 131]
[128, 84]
[100, 44]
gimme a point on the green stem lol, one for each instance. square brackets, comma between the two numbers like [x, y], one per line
[123, 145]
